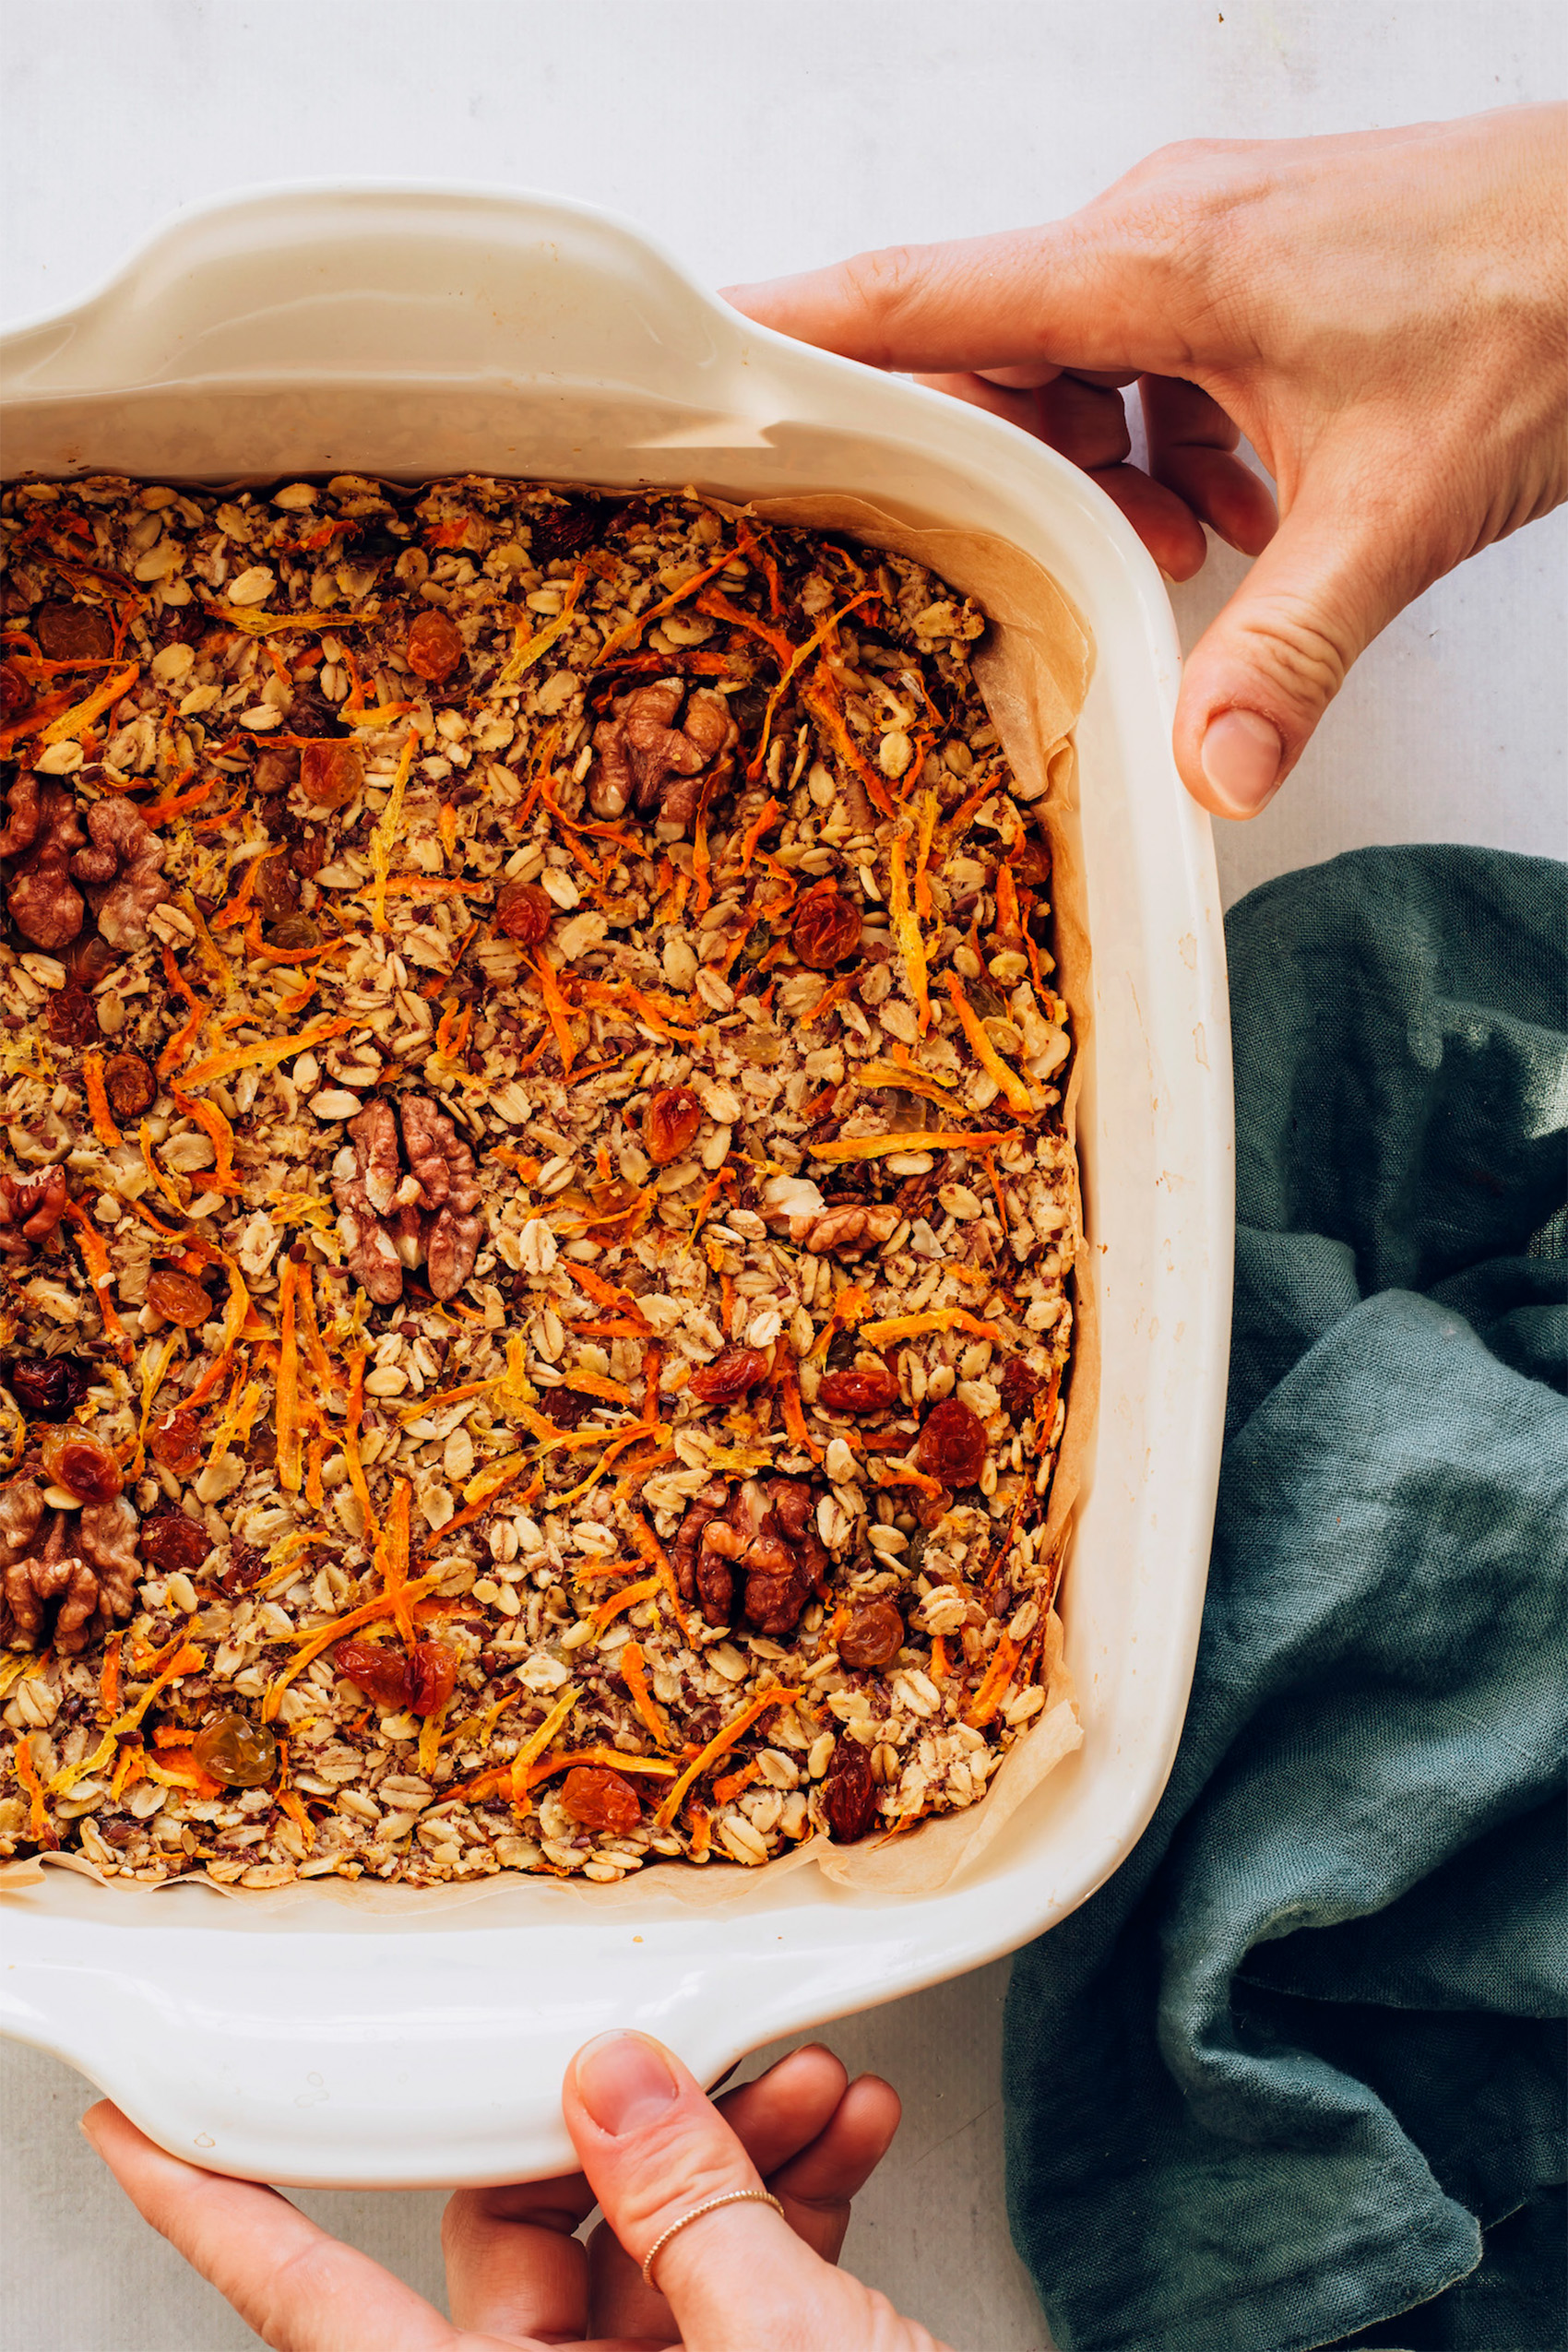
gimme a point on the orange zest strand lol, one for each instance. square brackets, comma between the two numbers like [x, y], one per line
[907, 932]
[877, 1147]
[633, 1673]
[102, 1118]
[1019, 1100]
[719, 1745]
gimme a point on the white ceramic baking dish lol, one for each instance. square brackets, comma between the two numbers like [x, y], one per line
[416, 331]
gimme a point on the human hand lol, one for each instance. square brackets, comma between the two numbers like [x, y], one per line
[1382, 314]
[738, 2280]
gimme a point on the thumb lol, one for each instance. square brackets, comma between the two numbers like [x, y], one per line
[653, 2147]
[1255, 686]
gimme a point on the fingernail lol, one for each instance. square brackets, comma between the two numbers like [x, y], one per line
[624, 2082]
[1241, 758]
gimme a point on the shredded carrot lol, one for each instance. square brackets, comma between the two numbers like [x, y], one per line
[156, 813]
[187, 1659]
[907, 932]
[631, 630]
[164, 1183]
[925, 833]
[286, 1402]
[794, 1417]
[878, 1335]
[177, 1768]
[109, 1679]
[351, 1439]
[717, 605]
[131, 1767]
[878, 1146]
[538, 1741]
[42, 1828]
[221, 1177]
[619, 1603]
[798, 655]
[733, 1782]
[994, 1688]
[157, 1358]
[73, 724]
[267, 1053]
[653, 1551]
[938, 1659]
[180, 1044]
[718, 1745]
[754, 832]
[822, 697]
[238, 906]
[557, 1012]
[103, 1125]
[1019, 1100]
[891, 1477]
[709, 1195]
[632, 1672]
[492, 1484]
[321, 1637]
[95, 1257]
[570, 1757]
[392, 1559]
[293, 1805]
[526, 648]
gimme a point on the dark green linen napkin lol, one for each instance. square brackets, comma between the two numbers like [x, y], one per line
[1297, 2070]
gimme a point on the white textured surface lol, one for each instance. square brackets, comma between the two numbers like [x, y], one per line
[754, 139]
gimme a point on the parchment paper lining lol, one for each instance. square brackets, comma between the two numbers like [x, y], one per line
[1033, 672]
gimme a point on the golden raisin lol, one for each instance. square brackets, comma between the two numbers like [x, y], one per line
[380, 1671]
[234, 1750]
[827, 929]
[430, 1676]
[729, 1376]
[130, 1086]
[952, 1445]
[83, 1464]
[435, 648]
[178, 1298]
[874, 1636]
[524, 911]
[175, 1441]
[672, 1119]
[171, 1541]
[331, 772]
[599, 1799]
[871, 1391]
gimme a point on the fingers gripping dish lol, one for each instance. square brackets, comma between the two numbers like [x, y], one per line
[537, 1218]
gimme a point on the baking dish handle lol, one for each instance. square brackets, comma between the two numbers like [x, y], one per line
[406, 283]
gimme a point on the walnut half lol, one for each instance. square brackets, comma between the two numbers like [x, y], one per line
[391, 1219]
[84, 1561]
[647, 762]
[766, 1533]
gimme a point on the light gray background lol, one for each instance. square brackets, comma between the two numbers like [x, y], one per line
[754, 137]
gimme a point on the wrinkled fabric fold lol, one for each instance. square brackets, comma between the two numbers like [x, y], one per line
[1295, 2076]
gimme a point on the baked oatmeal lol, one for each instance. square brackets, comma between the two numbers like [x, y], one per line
[537, 1219]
